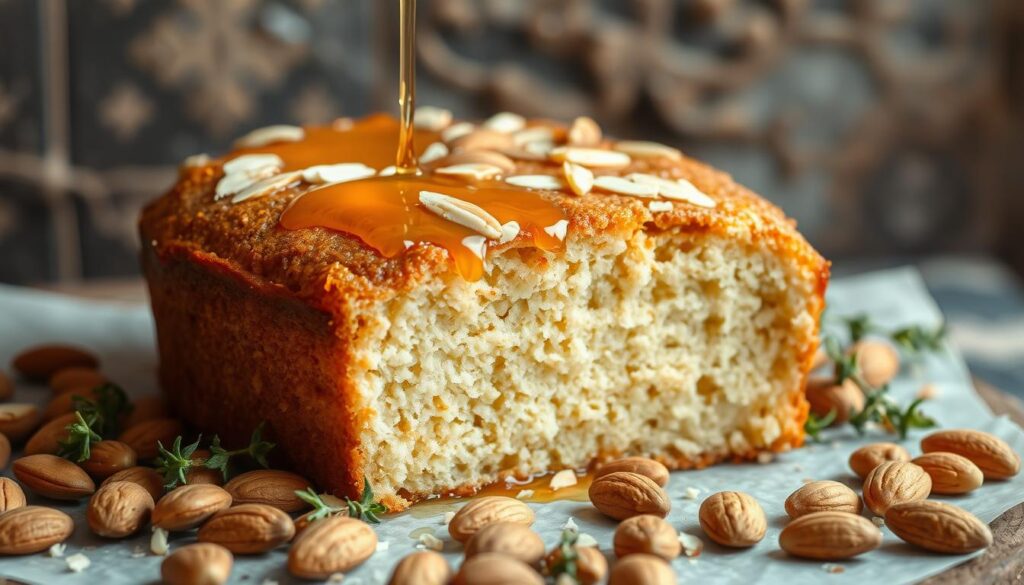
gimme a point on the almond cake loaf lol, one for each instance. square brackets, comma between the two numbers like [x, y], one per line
[664, 311]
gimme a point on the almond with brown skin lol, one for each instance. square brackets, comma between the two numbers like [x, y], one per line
[188, 506]
[591, 566]
[895, 482]
[64, 403]
[938, 527]
[200, 473]
[107, 458]
[5, 451]
[822, 496]
[868, 457]
[11, 495]
[422, 568]
[829, 536]
[197, 564]
[42, 361]
[333, 545]
[623, 494]
[147, 477]
[495, 569]
[641, 465]
[76, 378]
[248, 529]
[509, 539]
[47, 439]
[119, 509]
[6, 387]
[647, 534]
[32, 529]
[487, 510]
[733, 519]
[993, 456]
[53, 477]
[646, 569]
[951, 474]
[18, 420]
[143, 437]
[878, 361]
[272, 487]
[144, 408]
[825, 396]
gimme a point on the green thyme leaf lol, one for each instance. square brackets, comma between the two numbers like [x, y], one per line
[365, 508]
[917, 339]
[106, 410]
[568, 561]
[173, 463]
[257, 450]
[815, 425]
[321, 509]
[77, 446]
[859, 326]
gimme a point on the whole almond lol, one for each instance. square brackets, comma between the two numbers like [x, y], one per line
[822, 496]
[895, 482]
[147, 477]
[640, 465]
[878, 361]
[188, 506]
[507, 538]
[422, 568]
[733, 519]
[197, 564]
[32, 529]
[333, 545]
[144, 408]
[6, 387]
[495, 569]
[200, 473]
[648, 535]
[995, 458]
[951, 473]
[53, 477]
[18, 420]
[868, 457]
[591, 566]
[248, 529]
[144, 436]
[11, 495]
[42, 361]
[64, 403]
[938, 527]
[5, 451]
[487, 510]
[76, 378]
[107, 458]
[646, 569]
[829, 536]
[825, 396]
[623, 494]
[47, 439]
[119, 509]
[272, 487]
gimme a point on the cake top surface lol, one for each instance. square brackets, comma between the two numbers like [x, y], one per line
[295, 211]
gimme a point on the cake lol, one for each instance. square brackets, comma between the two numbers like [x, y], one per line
[680, 328]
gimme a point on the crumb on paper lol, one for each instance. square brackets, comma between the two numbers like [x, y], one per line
[586, 540]
[691, 493]
[878, 521]
[430, 542]
[563, 479]
[928, 392]
[336, 578]
[692, 545]
[570, 524]
[523, 494]
[765, 457]
[833, 568]
[57, 550]
[78, 563]
[158, 542]
[447, 518]
[383, 545]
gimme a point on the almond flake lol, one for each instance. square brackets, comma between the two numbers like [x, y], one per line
[558, 230]
[477, 171]
[505, 122]
[546, 182]
[235, 182]
[667, 188]
[585, 539]
[646, 149]
[765, 457]
[878, 521]
[579, 177]
[267, 186]
[833, 568]
[78, 563]
[336, 173]
[387, 171]
[57, 550]
[408, 244]
[534, 134]
[590, 157]
[541, 149]
[343, 124]
[335, 578]
[658, 206]
[524, 494]
[692, 545]
[456, 131]
[447, 518]
[509, 231]
[431, 118]
[477, 245]
[433, 152]
[430, 542]
[584, 132]
[570, 524]
[383, 545]
[461, 212]
[158, 542]
[621, 186]
[565, 579]
[566, 477]
[690, 194]
[261, 137]
[248, 163]
[196, 161]
[691, 493]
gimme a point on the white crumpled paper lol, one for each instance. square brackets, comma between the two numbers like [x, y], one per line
[122, 335]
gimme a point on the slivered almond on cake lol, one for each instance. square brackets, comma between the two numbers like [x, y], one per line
[537, 298]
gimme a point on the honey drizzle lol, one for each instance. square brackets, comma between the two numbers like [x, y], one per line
[538, 484]
[405, 161]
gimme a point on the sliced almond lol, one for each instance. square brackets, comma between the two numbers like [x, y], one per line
[558, 230]
[388, 171]
[477, 245]
[678, 190]
[563, 479]
[337, 173]
[509, 231]
[432, 118]
[456, 131]
[248, 163]
[267, 186]
[505, 122]
[584, 132]
[620, 186]
[590, 157]
[433, 152]
[534, 134]
[544, 182]
[268, 135]
[462, 212]
[660, 206]
[474, 171]
[196, 161]
[647, 149]
[499, 160]
[482, 139]
[579, 178]
[236, 182]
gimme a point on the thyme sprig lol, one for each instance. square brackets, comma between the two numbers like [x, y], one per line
[257, 449]
[814, 424]
[77, 446]
[568, 560]
[173, 464]
[364, 508]
[95, 418]
[915, 340]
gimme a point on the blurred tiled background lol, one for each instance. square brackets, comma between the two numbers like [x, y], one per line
[886, 127]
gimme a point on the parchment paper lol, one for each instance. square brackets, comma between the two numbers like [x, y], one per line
[122, 334]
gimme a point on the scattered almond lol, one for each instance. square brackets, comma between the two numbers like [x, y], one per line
[461, 212]
[825, 396]
[32, 529]
[146, 477]
[868, 457]
[332, 545]
[506, 122]
[822, 496]
[47, 439]
[641, 465]
[248, 528]
[579, 178]
[584, 131]
[119, 509]
[64, 403]
[642, 568]
[495, 569]
[76, 378]
[733, 519]
[53, 477]
[145, 408]
[623, 494]
[188, 506]
[879, 362]
[993, 456]
[647, 534]
[829, 536]
[272, 487]
[563, 479]
[42, 361]
[199, 473]
[144, 436]
[18, 420]
[895, 482]
[591, 566]
[11, 495]
[6, 387]
[197, 564]
[509, 539]
[487, 510]
[951, 474]
[422, 568]
[938, 527]
[107, 458]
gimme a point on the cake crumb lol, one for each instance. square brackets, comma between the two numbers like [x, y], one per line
[158, 542]
[563, 479]
[833, 568]
[692, 545]
[383, 545]
[430, 542]
[78, 563]
[57, 550]
[586, 540]
[764, 457]
[523, 494]
[691, 493]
